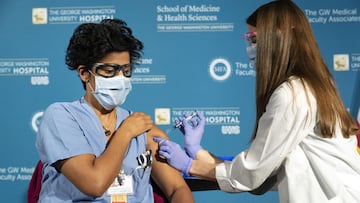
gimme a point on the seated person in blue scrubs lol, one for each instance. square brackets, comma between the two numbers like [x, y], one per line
[92, 149]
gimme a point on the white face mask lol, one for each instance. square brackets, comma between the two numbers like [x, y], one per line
[251, 52]
[111, 92]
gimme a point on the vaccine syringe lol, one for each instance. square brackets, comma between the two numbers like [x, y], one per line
[178, 125]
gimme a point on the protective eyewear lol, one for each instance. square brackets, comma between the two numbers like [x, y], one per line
[250, 37]
[108, 70]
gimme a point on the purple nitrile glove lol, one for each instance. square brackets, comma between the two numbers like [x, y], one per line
[174, 155]
[193, 133]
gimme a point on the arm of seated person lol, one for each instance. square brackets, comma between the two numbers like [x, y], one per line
[169, 180]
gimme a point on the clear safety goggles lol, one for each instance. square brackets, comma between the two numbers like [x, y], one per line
[250, 37]
[109, 70]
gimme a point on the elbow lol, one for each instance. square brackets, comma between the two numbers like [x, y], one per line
[96, 193]
[181, 194]
[95, 189]
[258, 192]
[266, 186]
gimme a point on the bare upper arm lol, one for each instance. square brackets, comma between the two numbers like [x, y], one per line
[166, 177]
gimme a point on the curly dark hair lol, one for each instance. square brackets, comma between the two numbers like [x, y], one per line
[91, 42]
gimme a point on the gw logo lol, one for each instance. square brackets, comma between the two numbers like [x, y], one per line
[40, 80]
[230, 130]
[220, 69]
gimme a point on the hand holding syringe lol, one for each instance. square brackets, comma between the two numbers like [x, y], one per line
[192, 129]
[180, 123]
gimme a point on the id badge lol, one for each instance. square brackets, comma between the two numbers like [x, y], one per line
[123, 184]
[118, 199]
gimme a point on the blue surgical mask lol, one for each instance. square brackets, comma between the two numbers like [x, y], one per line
[111, 92]
[251, 52]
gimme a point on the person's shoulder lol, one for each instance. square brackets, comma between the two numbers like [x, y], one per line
[292, 85]
[282, 92]
[122, 112]
[60, 106]
[294, 90]
[286, 92]
[56, 105]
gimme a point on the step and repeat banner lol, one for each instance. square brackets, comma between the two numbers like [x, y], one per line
[194, 59]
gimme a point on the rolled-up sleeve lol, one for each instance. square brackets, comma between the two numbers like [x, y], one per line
[281, 128]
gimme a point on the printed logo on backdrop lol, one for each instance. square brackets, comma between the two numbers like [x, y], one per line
[162, 116]
[332, 15]
[220, 69]
[142, 73]
[227, 118]
[191, 18]
[341, 62]
[39, 16]
[72, 15]
[346, 62]
[35, 68]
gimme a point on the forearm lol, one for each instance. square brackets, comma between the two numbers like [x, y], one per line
[203, 170]
[114, 153]
[106, 166]
[206, 156]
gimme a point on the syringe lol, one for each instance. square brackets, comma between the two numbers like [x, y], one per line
[178, 125]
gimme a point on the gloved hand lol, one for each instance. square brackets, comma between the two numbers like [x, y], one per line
[174, 155]
[193, 132]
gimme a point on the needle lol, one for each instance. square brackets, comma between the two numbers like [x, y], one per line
[178, 125]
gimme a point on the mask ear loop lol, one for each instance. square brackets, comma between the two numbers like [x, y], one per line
[88, 81]
[81, 72]
[91, 88]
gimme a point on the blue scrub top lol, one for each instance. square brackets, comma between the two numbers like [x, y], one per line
[69, 129]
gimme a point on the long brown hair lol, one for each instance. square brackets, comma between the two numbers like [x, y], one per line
[287, 47]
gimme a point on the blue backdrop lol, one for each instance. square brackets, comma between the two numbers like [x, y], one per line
[194, 58]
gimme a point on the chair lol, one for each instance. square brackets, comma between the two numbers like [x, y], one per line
[35, 183]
